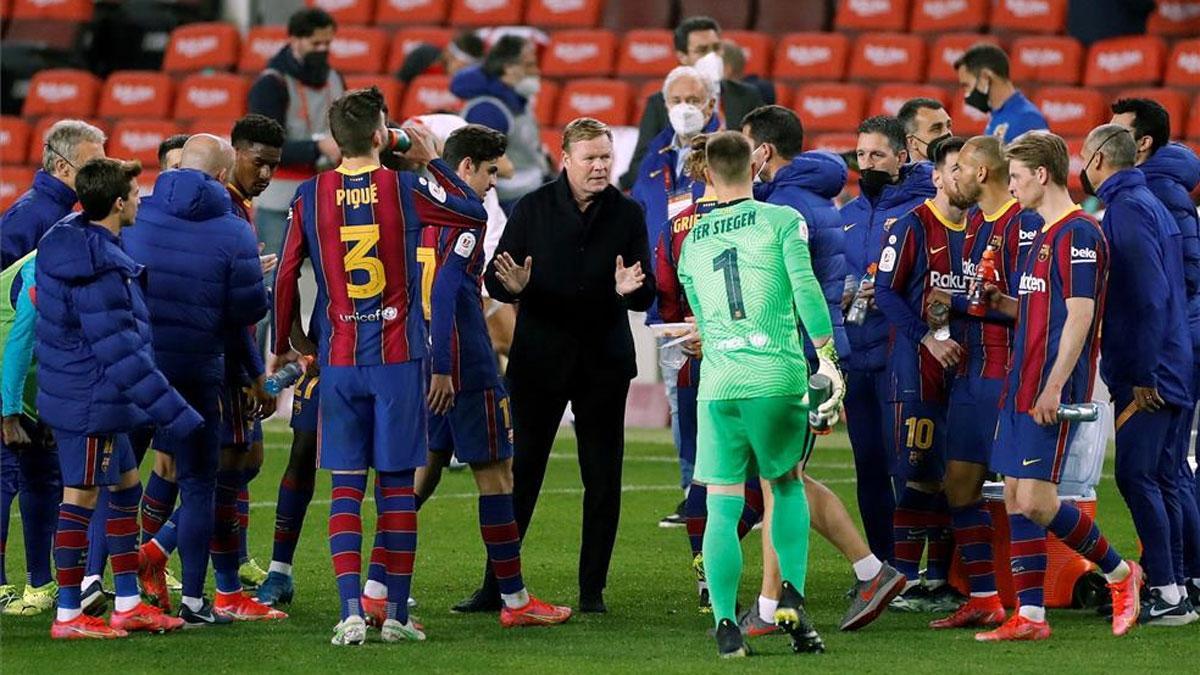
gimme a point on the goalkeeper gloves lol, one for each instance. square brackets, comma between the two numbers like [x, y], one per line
[827, 365]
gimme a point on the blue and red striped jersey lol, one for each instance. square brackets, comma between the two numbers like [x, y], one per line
[1068, 259]
[672, 301]
[362, 229]
[923, 250]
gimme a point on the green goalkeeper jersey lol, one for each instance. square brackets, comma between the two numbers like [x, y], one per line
[746, 270]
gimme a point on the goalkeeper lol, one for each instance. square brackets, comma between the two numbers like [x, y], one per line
[746, 270]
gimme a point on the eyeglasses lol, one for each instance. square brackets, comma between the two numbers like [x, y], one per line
[51, 148]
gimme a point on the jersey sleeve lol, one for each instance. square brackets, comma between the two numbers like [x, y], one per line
[897, 264]
[450, 276]
[18, 350]
[670, 294]
[807, 294]
[446, 201]
[1081, 259]
[287, 277]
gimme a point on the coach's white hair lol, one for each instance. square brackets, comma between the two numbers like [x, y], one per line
[679, 72]
[63, 138]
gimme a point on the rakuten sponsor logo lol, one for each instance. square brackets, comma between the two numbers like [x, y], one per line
[882, 56]
[1179, 11]
[197, 46]
[824, 106]
[649, 52]
[1115, 62]
[574, 53]
[948, 281]
[809, 56]
[140, 141]
[207, 98]
[56, 92]
[1041, 58]
[589, 104]
[940, 9]
[1189, 61]
[870, 7]
[133, 94]
[435, 99]
[1031, 284]
[563, 6]
[1062, 111]
[349, 49]
[1027, 8]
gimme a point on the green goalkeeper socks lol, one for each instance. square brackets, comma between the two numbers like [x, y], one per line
[789, 531]
[723, 553]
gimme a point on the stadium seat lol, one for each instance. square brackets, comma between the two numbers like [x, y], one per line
[792, 16]
[147, 178]
[1175, 18]
[358, 49]
[939, 16]
[211, 95]
[428, 94]
[646, 53]
[563, 13]
[200, 46]
[58, 10]
[45, 35]
[393, 89]
[5, 9]
[1176, 102]
[627, 15]
[811, 56]
[545, 104]
[485, 12]
[552, 142]
[407, 39]
[1125, 61]
[139, 139]
[132, 93]
[1075, 153]
[1047, 17]
[730, 15]
[888, 57]
[578, 53]
[606, 100]
[217, 126]
[1046, 59]
[14, 140]
[262, 42]
[887, 99]
[1183, 66]
[411, 12]
[14, 181]
[872, 15]
[1193, 123]
[966, 120]
[62, 92]
[347, 12]
[947, 49]
[830, 106]
[648, 89]
[758, 48]
[38, 135]
[1071, 111]
[838, 143]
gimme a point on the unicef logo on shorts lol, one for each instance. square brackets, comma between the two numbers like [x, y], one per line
[381, 314]
[390, 313]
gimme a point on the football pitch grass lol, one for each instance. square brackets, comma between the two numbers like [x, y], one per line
[652, 624]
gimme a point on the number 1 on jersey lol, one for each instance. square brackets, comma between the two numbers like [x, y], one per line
[726, 262]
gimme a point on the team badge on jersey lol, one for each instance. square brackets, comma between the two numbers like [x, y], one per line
[465, 244]
[887, 260]
[1044, 253]
[435, 190]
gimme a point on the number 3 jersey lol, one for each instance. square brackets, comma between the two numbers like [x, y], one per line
[746, 270]
[362, 229]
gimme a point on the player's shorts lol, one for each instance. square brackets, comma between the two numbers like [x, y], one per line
[478, 429]
[238, 427]
[93, 461]
[919, 438]
[373, 417]
[739, 438]
[306, 399]
[971, 419]
[1025, 449]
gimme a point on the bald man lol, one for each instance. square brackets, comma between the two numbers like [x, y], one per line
[203, 279]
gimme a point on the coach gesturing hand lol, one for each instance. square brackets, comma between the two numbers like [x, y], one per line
[515, 277]
[629, 279]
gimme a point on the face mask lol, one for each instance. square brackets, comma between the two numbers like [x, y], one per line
[929, 144]
[315, 67]
[1088, 188]
[759, 156]
[686, 119]
[978, 99]
[872, 181]
[528, 86]
[711, 65]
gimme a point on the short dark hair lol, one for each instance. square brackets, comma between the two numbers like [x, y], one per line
[354, 117]
[504, 53]
[728, 154]
[908, 112]
[693, 24]
[476, 141]
[170, 143]
[778, 126]
[889, 127]
[1150, 118]
[255, 128]
[101, 182]
[309, 20]
[984, 55]
[471, 44]
[940, 147]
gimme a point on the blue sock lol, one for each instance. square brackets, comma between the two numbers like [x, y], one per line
[289, 518]
[398, 522]
[70, 541]
[97, 551]
[939, 539]
[224, 548]
[41, 492]
[9, 479]
[502, 540]
[973, 532]
[158, 503]
[168, 535]
[1028, 553]
[345, 538]
[695, 509]
[243, 507]
[1077, 530]
[194, 532]
[910, 525]
[122, 533]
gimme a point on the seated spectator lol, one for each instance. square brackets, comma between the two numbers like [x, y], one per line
[466, 49]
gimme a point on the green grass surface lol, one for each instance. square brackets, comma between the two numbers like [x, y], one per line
[652, 623]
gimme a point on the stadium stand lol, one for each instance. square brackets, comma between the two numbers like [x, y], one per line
[485, 12]
[139, 139]
[627, 15]
[1046, 59]
[1048, 17]
[14, 140]
[646, 53]
[606, 100]
[579, 53]
[407, 39]
[63, 92]
[758, 48]
[731, 15]
[811, 56]
[261, 43]
[888, 57]
[830, 106]
[939, 16]
[359, 50]
[199, 46]
[129, 93]
[887, 99]
[428, 94]
[211, 96]
[1175, 18]
[347, 12]
[1125, 61]
[414, 12]
[1071, 111]
[1183, 65]
[872, 15]
[563, 13]
[946, 49]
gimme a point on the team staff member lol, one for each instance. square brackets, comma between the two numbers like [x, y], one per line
[925, 120]
[983, 76]
[170, 150]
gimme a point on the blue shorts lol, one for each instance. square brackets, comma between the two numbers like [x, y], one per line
[373, 417]
[920, 441]
[1025, 449]
[971, 419]
[93, 461]
[306, 399]
[238, 427]
[478, 429]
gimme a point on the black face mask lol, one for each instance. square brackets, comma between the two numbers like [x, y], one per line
[978, 99]
[314, 68]
[872, 181]
[929, 144]
[1088, 188]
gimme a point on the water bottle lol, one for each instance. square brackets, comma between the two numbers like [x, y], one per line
[1078, 412]
[398, 140]
[985, 273]
[283, 378]
[861, 305]
[939, 320]
[820, 388]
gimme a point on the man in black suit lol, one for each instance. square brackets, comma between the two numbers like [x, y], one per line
[695, 38]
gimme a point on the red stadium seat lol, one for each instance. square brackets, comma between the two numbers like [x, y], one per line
[1193, 123]
[1047, 59]
[830, 106]
[14, 140]
[888, 57]
[839, 143]
[38, 136]
[1125, 61]
[730, 15]
[545, 104]
[216, 126]
[428, 94]
[872, 15]
[347, 12]
[139, 139]
[811, 56]
[146, 179]
[578, 53]
[646, 53]
[58, 10]
[134, 93]
[392, 89]
[643, 95]
[938, 16]
[1075, 153]
[605, 100]
[1029, 16]
[757, 47]
[1176, 103]
[1175, 18]
[62, 92]
[46, 34]
[552, 141]
[485, 12]
[563, 13]
[356, 49]
[887, 99]
[627, 15]
[262, 42]
[211, 95]
[947, 49]
[5, 9]
[401, 12]
[407, 39]
[14, 181]
[200, 46]
[793, 16]
[1071, 111]
[1183, 66]
[966, 120]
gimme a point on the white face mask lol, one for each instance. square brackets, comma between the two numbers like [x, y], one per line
[759, 158]
[712, 65]
[528, 86]
[686, 119]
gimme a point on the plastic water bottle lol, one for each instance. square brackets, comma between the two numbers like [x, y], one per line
[985, 274]
[1078, 412]
[283, 378]
[398, 140]
[861, 305]
[820, 388]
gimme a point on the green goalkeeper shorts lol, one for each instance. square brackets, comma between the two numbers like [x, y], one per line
[739, 438]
